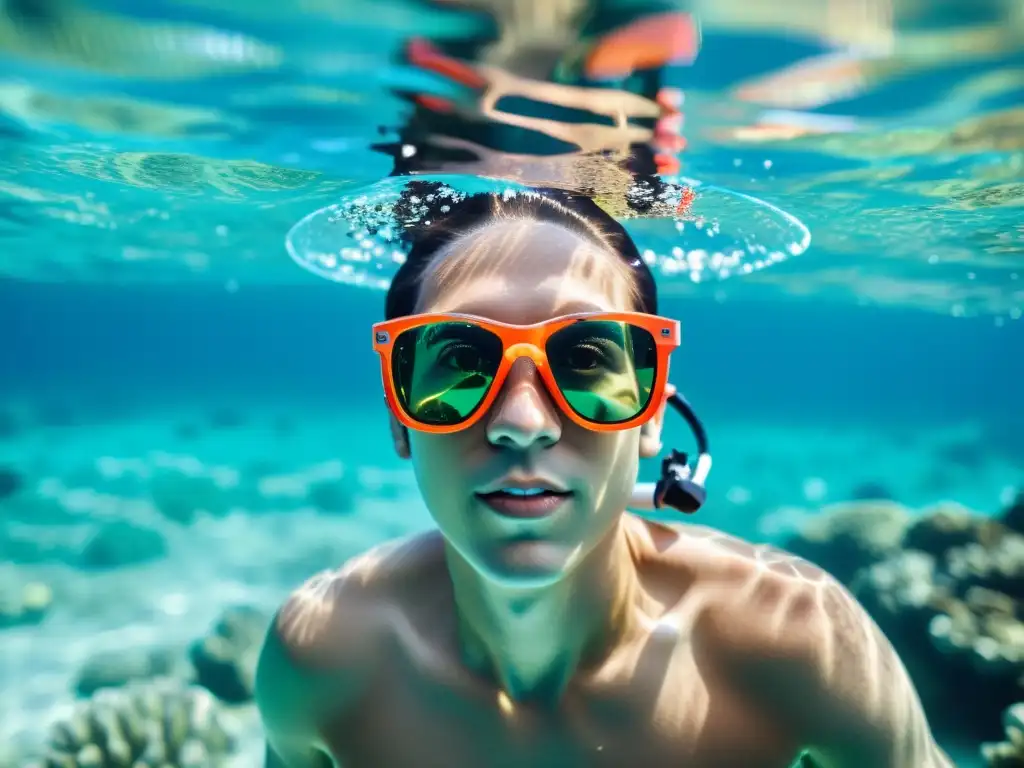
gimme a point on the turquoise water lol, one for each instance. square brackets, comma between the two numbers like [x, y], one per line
[189, 421]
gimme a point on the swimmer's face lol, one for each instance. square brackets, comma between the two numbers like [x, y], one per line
[526, 272]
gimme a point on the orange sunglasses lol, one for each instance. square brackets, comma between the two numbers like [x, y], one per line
[606, 371]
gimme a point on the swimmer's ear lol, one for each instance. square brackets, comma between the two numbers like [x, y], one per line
[650, 433]
[400, 436]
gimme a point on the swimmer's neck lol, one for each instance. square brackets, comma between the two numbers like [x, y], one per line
[532, 641]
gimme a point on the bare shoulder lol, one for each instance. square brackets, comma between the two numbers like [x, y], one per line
[336, 618]
[330, 634]
[791, 640]
[758, 600]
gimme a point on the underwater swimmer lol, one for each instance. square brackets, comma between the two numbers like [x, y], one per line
[542, 624]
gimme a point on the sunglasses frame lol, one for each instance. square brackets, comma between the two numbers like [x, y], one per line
[526, 341]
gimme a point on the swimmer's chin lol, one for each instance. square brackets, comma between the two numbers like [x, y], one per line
[529, 563]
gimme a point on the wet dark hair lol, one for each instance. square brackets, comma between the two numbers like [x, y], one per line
[575, 212]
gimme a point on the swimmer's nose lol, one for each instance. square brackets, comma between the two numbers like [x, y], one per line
[523, 415]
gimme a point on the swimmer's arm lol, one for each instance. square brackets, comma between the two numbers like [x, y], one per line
[860, 707]
[283, 699]
[307, 667]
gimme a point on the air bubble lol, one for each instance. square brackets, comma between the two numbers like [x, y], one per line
[739, 233]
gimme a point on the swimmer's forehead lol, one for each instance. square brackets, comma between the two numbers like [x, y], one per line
[525, 271]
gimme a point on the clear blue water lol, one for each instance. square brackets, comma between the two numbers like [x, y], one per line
[153, 157]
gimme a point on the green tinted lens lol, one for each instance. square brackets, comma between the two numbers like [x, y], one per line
[443, 371]
[605, 370]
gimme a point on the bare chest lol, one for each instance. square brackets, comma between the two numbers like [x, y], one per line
[659, 712]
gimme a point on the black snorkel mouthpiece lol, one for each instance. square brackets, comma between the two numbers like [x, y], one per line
[681, 486]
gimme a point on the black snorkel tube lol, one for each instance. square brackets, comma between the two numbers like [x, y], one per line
[681, 486]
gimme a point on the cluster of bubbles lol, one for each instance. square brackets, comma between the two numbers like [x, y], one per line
[686, 231]
[359, 240]
[719, 234]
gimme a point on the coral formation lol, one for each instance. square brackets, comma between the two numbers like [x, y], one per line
[120, 543]
[947, 588]
[22, 602]
[1013, 516]
[182, 496]
[225, 659]
[851, 535]
[114, 669]
[1008, 753]
[158, 724]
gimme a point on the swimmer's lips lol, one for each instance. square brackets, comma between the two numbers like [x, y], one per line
[524, 507]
